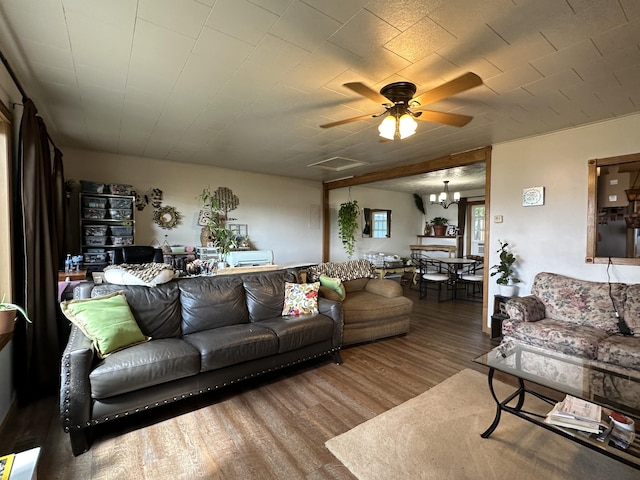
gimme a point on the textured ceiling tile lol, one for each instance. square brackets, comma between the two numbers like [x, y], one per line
[183, 16]
[590, 22]
[117, 12]
[99, 45]
[47, 27]
[338, 9]
[420, 40]
[276, 6]
[221, 50]
[380, 65]
[631, 9]
[511, 56]
[276, 53]
[512, 79]
[552, 83]
[570, 57]
[157, 57]
[403, 14]
[627, 34]
[304, 26]
[241, 19]
[464, 18]
[364, 33]
[525, 19]
[89, 76]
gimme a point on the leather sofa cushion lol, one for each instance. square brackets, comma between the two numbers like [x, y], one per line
[156, 310]
[224, 346]
[299, 331]
[366, 307]
[265, 295]
[144, 365]
[212, 302]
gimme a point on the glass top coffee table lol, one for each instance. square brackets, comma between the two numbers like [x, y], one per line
[614, 388]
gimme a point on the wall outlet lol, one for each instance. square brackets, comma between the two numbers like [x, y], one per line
[497, 219]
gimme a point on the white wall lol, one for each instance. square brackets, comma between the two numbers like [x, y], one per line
[277, 210]
[553, 237]
[406, 222]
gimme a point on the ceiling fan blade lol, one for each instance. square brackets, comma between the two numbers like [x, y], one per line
[348, 120]
[453, 119]
[362, 89]
[457, 85]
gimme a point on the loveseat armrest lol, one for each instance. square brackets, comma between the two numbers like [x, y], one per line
[384, 287]
[333, 310]
[75, 387]
[525, 309]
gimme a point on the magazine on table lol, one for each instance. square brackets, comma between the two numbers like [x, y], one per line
[578, 414]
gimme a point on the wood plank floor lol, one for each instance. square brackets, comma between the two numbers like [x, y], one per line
[271, 428]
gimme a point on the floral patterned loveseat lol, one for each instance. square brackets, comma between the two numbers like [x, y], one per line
[577, 317]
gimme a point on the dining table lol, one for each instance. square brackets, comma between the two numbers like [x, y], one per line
[452, 265]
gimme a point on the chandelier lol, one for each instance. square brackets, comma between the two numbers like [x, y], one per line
[444, 198]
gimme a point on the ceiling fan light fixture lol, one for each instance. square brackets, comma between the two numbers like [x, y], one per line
[407, 125]
[387, 127]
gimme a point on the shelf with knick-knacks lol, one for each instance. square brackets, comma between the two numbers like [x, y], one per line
[446, 243]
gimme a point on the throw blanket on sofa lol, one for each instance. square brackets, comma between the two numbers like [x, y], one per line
[345, 271]
[148, 274]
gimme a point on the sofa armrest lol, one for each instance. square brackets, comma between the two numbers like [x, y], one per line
[384, 288]
[329, 294]
[525, 309]
[75, 387]
[83, 290]
[333, 310]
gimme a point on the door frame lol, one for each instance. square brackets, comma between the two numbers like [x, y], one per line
[450, 161]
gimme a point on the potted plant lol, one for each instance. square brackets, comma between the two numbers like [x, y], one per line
[223, 239]
[8, 316]
[348, 225]
[505, 271]
[439, 226]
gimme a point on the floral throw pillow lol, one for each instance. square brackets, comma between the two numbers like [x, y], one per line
[300, 298]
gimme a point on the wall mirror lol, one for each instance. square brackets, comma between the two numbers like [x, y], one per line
[376, 223]
[613, 210]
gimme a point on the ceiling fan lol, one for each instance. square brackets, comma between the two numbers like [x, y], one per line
[401, 105]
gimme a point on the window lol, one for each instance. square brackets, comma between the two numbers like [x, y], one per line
[380, 224]
[476, 229]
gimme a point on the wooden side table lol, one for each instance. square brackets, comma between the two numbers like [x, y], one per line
[499, 314]
[79, 275]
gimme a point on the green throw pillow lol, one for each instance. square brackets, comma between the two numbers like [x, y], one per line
[107, 321]
[334, 284]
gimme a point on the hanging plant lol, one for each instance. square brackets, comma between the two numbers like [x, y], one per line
[348, 225]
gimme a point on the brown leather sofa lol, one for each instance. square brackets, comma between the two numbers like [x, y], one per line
[373, 308]
[207, 332]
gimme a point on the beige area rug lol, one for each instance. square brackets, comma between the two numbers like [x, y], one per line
[436, 435]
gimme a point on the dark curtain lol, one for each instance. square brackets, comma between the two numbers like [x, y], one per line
[39, 209]
[462, 220]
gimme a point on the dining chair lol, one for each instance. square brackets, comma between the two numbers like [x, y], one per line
[431, 272]
[472, 278]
